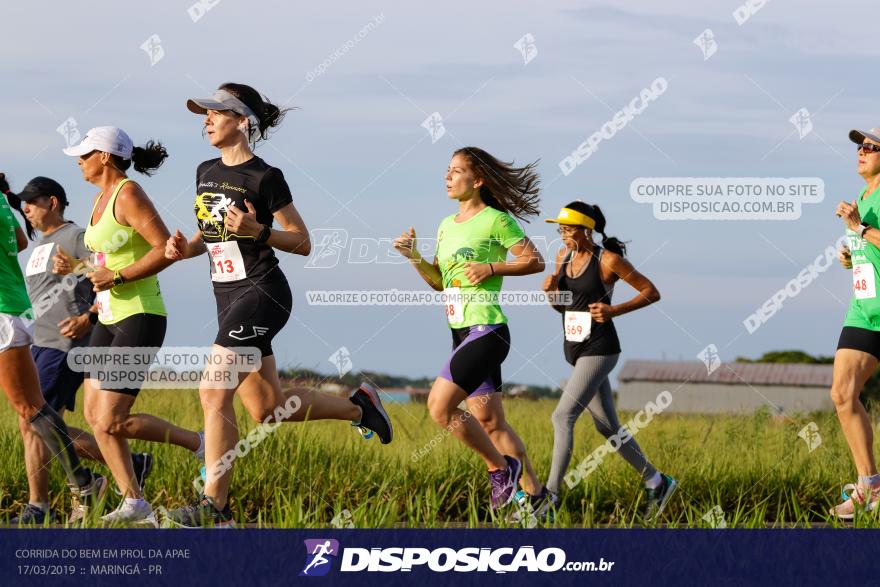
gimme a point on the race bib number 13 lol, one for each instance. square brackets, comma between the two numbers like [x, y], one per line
[226, 262]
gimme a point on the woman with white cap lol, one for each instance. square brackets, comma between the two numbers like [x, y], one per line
[238, 196]
[588, 273]
[858, 349]
[127, 238]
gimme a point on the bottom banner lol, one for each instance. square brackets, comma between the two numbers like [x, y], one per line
[396, 557]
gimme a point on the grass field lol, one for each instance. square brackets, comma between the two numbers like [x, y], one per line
[755, 468]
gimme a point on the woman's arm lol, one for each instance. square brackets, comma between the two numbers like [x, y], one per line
[292, 237]
[527, 261]
[551, 282]
[430, 272]
[613, 267]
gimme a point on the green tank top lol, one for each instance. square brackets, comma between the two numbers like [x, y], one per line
[864, 307]
[13, 294]
[115, 247]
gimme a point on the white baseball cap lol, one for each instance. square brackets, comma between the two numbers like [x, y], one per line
[103, 138]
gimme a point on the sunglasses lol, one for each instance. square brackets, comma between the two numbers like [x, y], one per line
[868, 148]
[564, 229]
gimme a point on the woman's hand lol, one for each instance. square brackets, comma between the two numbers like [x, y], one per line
[601, 312]
[850, 214]
[845, 257]
[243, 223]
[177, 247]
[477, 273]
[406, 244]
[102, 279]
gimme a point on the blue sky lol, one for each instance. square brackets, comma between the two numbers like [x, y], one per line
[358, 137]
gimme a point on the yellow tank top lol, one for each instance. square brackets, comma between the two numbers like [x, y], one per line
[115, 247]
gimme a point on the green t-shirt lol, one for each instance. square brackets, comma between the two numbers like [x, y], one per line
[13, 293]
[483, 238]
[864, 308]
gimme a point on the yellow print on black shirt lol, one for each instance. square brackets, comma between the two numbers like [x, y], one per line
[210, 209]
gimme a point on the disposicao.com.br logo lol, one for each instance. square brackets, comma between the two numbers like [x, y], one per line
[443, 560]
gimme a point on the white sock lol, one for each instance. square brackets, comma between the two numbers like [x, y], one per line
[654, 481]
[135, 502]
[40, 504]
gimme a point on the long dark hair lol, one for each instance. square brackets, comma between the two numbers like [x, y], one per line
[269, 114]
[146, 159]
[609, 243]
[15, 202]
[507, 188]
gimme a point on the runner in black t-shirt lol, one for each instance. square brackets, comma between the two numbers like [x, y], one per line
[238, 196]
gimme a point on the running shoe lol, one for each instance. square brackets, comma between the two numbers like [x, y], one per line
[85, 498]
[32, 515]
[139, 514]
[856, 501]
[200, 513]
[143, 466]
[504, 482]
[531, 509]
[657, 498]
[374, 417]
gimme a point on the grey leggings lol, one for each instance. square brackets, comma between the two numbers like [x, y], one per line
[588, 387]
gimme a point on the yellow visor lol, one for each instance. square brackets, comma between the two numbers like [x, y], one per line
[569, 216]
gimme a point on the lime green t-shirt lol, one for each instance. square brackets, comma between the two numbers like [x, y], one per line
[864, 308]
[483, 238]
[13, 293]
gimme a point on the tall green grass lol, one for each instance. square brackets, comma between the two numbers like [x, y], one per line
[755, 468]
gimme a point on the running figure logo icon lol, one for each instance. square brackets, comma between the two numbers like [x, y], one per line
[258, 331]
[317, 550]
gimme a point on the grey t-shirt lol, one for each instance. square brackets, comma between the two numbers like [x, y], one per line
[54, 297]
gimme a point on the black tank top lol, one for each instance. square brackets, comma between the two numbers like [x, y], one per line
[588, 288]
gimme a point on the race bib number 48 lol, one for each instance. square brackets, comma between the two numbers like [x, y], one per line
[864, 285]
[454, 307]
[226, 262]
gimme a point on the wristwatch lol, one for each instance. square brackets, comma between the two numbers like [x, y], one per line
[264, 235]
[865, 226]
[117, 278]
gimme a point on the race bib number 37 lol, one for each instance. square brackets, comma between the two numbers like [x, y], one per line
[39, 260]
[864, 285]
[226, 262]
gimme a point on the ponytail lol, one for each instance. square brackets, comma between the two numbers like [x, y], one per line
[269, 115]
[15, 203]
[613, 244]
[146, 159]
